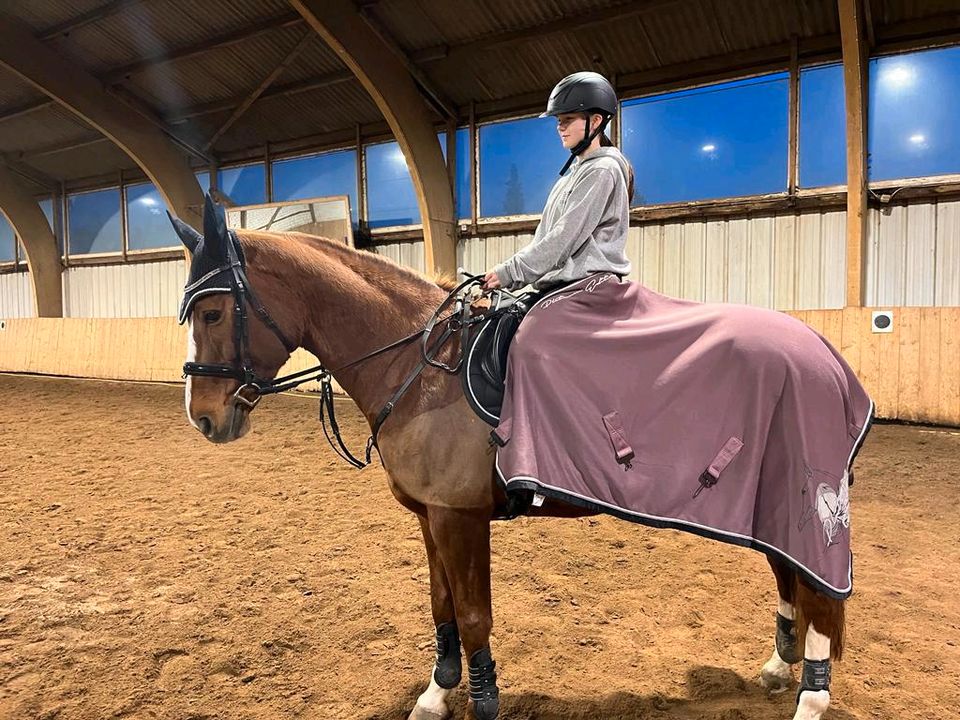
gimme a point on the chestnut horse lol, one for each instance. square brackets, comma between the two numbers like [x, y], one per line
[340, 304]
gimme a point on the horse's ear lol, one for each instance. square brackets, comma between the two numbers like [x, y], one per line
[188, 236]
[215, 227]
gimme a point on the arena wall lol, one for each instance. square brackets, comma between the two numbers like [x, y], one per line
[119, 320]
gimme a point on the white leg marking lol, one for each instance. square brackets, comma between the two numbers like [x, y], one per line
[775, 675]
[191, 357]
[813, 705]
[817, 645]
[432, 703]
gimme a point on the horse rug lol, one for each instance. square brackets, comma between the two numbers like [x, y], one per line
[733, 422]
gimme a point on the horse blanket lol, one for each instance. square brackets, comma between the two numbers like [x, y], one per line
[729, 421]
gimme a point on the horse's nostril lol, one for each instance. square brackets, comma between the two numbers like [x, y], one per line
[205, 425]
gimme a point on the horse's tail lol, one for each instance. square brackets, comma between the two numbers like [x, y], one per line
[827, 615]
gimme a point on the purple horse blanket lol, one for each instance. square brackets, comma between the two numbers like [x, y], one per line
[729, 421]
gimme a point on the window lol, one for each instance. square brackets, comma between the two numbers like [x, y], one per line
[519, 163]
[823, 129]
[391, 199]
[204, 179]
[463, 170]
[244, 185]
[724, 140]
[912, 119]
[47, 207]
[333, 173]
[7, 241]
[147, 223]
[94, 219]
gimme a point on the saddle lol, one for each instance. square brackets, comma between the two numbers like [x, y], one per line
[486, 344]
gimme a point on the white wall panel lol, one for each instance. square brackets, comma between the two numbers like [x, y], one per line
[947, 262]
[149, 289]
[16, 296]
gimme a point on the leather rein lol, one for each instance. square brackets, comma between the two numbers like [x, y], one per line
[253, 388]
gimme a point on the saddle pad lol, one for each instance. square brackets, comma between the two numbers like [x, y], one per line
[732, 422]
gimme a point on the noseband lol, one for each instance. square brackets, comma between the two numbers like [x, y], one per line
[253, 388]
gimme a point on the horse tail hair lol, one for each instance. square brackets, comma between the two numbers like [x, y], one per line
[827, 615]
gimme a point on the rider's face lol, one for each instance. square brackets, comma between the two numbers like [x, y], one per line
[570, 127]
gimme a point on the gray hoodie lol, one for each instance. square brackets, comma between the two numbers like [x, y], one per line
[583, 228]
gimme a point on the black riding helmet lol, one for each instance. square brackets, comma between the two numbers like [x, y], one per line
[587, 93]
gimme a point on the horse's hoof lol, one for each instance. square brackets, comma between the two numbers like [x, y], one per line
[776, 681]
[486, 709]
[776, 675]
[420, 713]
[774, 685]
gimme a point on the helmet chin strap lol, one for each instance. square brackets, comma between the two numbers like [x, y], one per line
[588, 138]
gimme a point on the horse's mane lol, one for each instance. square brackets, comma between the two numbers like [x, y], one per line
[348, 255]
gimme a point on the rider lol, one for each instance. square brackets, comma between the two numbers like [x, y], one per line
[583, 229]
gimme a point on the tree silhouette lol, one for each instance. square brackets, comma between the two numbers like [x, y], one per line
[513, 200]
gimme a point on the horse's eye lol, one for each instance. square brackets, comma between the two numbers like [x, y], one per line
[211, 316]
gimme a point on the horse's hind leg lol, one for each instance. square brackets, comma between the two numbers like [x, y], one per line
[776, 675]
[820, 627]
[432, 704]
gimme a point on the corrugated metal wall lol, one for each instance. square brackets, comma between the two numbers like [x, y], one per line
[913, 257]
[794, 261]
[408, 254]
[133, 290]
[788, 262]
[16, 296]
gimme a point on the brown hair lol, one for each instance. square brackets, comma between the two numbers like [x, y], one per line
[607, 142]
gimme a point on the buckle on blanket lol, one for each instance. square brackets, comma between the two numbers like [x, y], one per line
[706, 481]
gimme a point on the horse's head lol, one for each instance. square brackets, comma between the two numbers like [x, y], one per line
[234, 344]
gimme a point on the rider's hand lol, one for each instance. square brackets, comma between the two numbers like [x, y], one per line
[491, 281]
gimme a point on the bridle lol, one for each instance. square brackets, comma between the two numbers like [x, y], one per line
[253, 387]
[242, 368]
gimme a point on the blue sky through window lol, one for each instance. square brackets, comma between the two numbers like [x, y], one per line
[723, 140]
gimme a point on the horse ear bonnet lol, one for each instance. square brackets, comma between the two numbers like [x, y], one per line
[210, 268]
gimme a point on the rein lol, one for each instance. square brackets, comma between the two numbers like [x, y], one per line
[253, 387]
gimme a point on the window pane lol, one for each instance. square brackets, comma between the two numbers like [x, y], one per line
[333, 173]
[204, 179]
[718, 141]
[47, 206]
[7, 239]
[463, 169]
[519, 163]
[244, 185]
[94, 222]
[391, 199]
[147, 222]
[823, 139]
[912, 117]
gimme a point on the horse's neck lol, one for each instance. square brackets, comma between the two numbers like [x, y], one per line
[355, 303]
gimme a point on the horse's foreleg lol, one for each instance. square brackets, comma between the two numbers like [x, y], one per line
[776, 675]
[463, 544]
[432, 704]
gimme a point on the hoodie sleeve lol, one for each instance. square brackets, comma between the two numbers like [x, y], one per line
[585, 207]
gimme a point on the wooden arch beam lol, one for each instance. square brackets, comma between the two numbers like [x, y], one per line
[77, 90]
[43, 256]
[388, 81]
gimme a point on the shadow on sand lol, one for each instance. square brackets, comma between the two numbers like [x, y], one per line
[712, 694]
